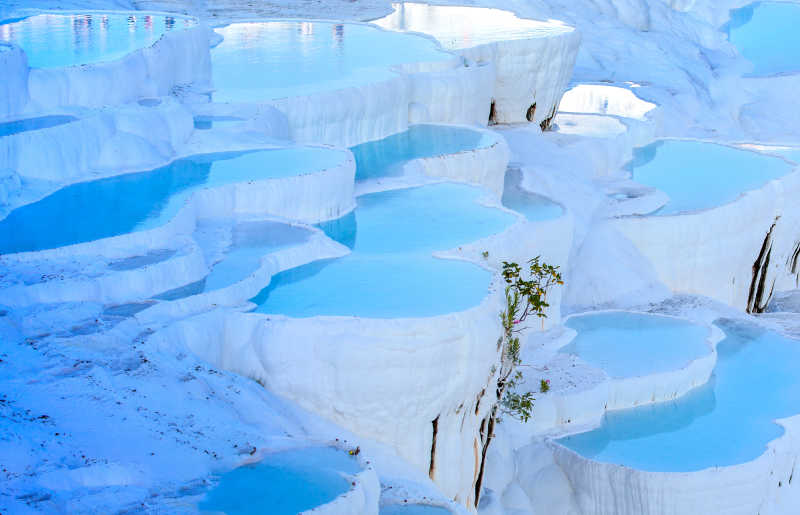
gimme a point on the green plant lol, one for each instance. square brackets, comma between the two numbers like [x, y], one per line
[525, 297]
[544, 385]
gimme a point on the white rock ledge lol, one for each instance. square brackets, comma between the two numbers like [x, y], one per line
[127, 137]
[712, 252]
[312, 197]
[179, 58]
[533, 66]
[483, 166]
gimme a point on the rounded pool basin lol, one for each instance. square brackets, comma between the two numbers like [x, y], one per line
[728, 421]
[698, 175]
[55, 40]
[283, 483]
[261, 61]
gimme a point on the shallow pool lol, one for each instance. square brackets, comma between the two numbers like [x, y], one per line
[277, 59]
[34, 124]
[698, 175]
[766, 34]
[535, 208]
[284, 483]
[636, 344]
[457, 27]
[204, 123]
[413, 509]
[55, 40]
[391, 272]
[249, 243]
[606, 100]
[729, 421]
[117, 205]
[385, 157]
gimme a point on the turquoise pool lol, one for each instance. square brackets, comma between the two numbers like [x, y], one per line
[413, 509]
[535, 208]
[385, 157]
[391, 272]
[118, 205]
[457, 27]
[34, 124]
[56, 40]
[283, 483]
[250, 242]
[277, 59]
[766, 34]
[627, 344]
[204, 123]
[726, 422]
[697, 175]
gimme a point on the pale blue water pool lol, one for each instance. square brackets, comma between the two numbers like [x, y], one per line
[284, 483]
[698, 175]
[386, 156]
[535, 208]
[391, 272]
[276, 59]
[766, 34]
[250, 243]
[457, 27]
[636, 344]
[209, 122]
[34, 124]
[413, 509]
[113, 206]
[728, 421]
[56, 40]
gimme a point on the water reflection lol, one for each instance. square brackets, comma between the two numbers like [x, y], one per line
[56, 40]
[458, 27]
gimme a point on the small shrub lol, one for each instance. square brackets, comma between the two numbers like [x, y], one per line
[544, 385]
[524, 298]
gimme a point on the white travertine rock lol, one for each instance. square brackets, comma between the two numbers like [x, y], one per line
[178, 59]
[14, 86]
[712, 252]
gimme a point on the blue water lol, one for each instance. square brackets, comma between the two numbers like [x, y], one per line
[251, 242]
[284, 483]
[413, 509]
[276, 59]
[55, 40]
[729, 421]
[457, 27]
[698, 175]
[391, 272]
[34, 124]
[385, 157]
[535, 208]
[766, 34]
[118, 205]
[209, 122]
[636, 344]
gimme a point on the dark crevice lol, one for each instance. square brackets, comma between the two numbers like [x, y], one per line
[432, 468]
[487, 433]
[792, 264]
[492, 115]
[531, 114]
[756, 303]
[545, 125]
[478, 400]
